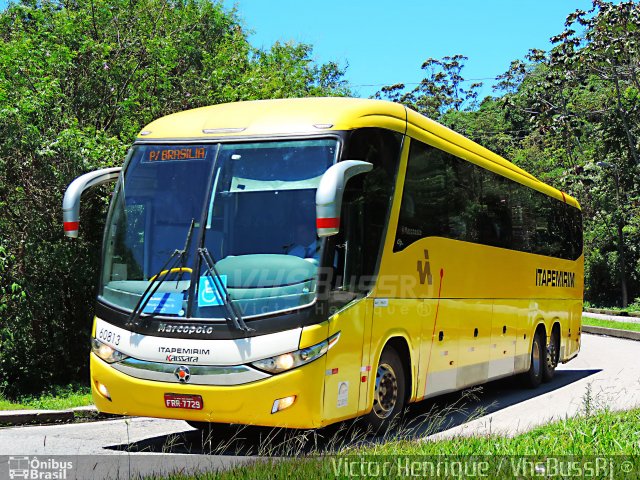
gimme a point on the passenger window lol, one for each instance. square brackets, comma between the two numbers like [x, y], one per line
[366, 206]
[445, 196]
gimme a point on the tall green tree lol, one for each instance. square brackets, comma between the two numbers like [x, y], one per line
[443, 89]
[78, 80]
[570, 116]
[601, 46]
[582, 100]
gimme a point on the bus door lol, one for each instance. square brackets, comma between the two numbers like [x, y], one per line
[350, 315]
[353, 255]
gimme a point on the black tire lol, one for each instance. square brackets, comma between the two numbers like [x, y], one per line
[551, 354]
[389, 395]
[533, 377]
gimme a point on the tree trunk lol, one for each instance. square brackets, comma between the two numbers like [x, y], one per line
[623, 267]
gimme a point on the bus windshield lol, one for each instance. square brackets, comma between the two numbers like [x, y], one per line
[253, 208]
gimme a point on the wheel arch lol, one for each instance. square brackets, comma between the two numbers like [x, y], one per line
[400, 345]
[540, 327]
[400, 342]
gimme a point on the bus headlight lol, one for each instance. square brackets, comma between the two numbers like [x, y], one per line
[287, 361]
[105, 352]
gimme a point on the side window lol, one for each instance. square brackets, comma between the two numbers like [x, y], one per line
[446, 196]
[573, 230]
[439, 198]
[524, 207]
[367, 201]
[424, 209]
[544, 225]
[495, 225]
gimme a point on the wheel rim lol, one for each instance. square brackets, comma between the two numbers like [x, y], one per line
[386, 393]
[535, 357]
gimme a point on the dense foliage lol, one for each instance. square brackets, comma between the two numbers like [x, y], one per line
[78, 80]
[570, 116]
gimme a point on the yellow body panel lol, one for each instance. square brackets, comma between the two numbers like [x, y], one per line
[466, 312]
[474, 323]
[300, 116]
[250, 403]
[396, 319]
[344, 363]
[314, 334]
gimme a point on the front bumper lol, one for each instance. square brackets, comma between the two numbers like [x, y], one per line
[249, 403]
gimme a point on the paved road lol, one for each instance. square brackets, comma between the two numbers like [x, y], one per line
[605, 373]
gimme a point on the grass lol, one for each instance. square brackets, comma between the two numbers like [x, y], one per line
[59, 398]
[601, 434]
[596, 431]
[596, 322]
[607, 433]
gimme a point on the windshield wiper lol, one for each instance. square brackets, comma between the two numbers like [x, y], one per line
[178, 257]
[234, 316]
[185, 252]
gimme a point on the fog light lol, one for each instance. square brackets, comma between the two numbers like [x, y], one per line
[283, 403]
[102, 390]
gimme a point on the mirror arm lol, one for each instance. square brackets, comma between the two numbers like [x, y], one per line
[71, 200]
[330, 192]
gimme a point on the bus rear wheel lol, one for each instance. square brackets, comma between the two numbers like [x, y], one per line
[551, 357]
[533, 377]
[389, 392]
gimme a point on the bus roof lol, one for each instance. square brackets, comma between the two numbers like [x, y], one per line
[306, 116]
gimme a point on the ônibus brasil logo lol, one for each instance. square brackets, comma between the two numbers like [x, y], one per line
[35, 468]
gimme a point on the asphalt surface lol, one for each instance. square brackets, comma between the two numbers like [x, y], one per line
[605, 373]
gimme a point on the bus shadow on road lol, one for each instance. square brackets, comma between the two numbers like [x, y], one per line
[457, 408]
[420, 420]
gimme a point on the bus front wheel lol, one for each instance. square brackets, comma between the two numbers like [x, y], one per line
[389, 392]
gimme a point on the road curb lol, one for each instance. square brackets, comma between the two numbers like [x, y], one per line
[25, 417]
[617, 313]
[610, 318]
[611, 332]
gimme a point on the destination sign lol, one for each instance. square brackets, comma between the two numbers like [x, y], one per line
[166, 154]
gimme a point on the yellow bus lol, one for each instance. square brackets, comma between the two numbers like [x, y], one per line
[300, 262]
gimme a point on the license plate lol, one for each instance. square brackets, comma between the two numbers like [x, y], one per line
[190, 402]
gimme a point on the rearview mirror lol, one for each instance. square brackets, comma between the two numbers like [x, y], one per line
[71, 200]
[330, 192]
